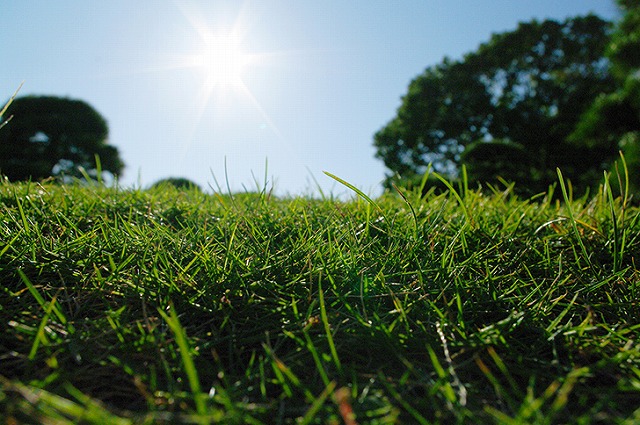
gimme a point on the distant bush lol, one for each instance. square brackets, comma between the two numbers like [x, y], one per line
[178, 183]
[488, 162]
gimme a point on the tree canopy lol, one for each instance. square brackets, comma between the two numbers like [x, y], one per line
[53, 136]
[522, 92]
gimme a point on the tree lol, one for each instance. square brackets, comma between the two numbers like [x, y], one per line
[614, 117]
[52, 136]
[526, 88]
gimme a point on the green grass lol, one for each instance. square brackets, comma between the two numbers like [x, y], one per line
[168, 306]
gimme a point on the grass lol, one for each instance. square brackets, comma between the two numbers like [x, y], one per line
[169, 306]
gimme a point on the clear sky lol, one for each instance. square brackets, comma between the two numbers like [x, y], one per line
[188, 86]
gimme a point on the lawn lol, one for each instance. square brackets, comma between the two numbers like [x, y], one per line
[169, 306]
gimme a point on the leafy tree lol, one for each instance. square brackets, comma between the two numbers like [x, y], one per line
[52, 136]
[614, 118]
[526, 88]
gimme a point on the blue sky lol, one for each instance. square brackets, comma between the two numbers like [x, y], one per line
[317, 80]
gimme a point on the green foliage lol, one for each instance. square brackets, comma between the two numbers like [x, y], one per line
[55, 137]
[614, 117]
[173, 306]
[529, 86]
[624, 49]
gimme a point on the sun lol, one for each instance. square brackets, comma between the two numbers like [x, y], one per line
[218, 51]
[223, 61]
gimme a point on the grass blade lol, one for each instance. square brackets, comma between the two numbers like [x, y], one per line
[327, 328]
[573, 220]
[6, 106]
[187, 361]
[317, 404]
[358, 191]
[413, 212]
[455, 193]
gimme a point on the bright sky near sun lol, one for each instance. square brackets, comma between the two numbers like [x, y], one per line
[240, 89]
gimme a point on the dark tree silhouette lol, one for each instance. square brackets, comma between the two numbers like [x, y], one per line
[53, 136]
[526, 88]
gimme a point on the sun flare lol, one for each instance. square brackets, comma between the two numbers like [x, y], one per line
[222, 59]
